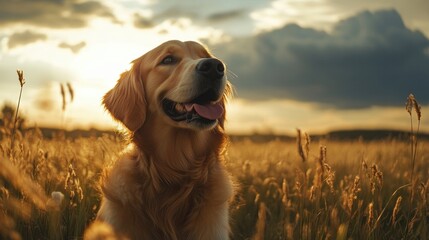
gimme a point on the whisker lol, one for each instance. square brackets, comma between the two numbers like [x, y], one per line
[232, 73]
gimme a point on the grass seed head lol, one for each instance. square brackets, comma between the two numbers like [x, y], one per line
[73, 186]
[413, 104]
[71, 91]
[299, 145]
[307, 143]
[352, 195]
[63, 97]
[21, 77]
[396, 210]
[312, 193]
[376, 178]
[285, 194]
[371, 214]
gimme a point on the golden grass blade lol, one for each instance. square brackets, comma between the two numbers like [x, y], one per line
[22, 182]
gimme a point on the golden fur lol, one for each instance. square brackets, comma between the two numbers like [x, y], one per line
[170, 183]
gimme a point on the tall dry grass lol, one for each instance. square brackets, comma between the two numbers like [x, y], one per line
[48, 188]
[348, 190]
[21, 80]
[305, 190]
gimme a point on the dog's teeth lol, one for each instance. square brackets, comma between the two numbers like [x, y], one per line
[180, 108]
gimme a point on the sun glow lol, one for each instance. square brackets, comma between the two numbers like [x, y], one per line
[93, 69]
[305, 13]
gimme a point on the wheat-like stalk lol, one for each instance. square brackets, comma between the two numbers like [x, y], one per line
[21, 80]
[413, 104]
[327, 173]
[409, 106]
[299, 145]
[23, 183]
[307, 144]
[387, 204]
[352, 196]
[71, 91]
[260, 224]
[396, 210]
[371, 215]
[73, 186]
[63, 97]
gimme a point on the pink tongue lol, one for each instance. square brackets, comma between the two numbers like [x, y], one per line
[209, 111]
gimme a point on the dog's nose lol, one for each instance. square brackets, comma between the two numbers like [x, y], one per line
[211, 68]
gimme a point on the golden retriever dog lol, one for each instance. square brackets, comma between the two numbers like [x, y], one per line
[171, 183]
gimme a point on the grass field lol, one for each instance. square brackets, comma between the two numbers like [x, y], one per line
[309, 190]
[285, 190]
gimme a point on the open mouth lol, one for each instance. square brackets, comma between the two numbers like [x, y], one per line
[200, 110]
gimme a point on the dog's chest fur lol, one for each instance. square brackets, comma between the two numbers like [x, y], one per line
[164, 202]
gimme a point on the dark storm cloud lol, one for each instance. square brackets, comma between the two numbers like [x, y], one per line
[415, 12]
[24, 38]
[75, 48]
[368, 59]
[52, 13]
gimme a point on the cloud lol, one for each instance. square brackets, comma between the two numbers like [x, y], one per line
[36, 72]
[369, 59]
[52, 14]
[176, 12]
[24, 38]
[303, 12]
[225, 16]
[142, 22]
[75, 48]
[229, 15]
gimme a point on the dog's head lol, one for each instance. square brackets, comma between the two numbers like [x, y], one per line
[179, 83]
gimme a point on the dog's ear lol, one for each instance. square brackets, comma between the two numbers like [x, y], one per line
[126, 101]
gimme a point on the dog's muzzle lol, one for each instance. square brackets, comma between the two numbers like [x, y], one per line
[205, 107]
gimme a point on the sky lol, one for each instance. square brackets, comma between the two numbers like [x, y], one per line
[317, 65]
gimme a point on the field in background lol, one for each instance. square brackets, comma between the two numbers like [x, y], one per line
[343, 190]
[312, 190]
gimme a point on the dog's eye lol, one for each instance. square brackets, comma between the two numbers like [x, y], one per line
[168, 60]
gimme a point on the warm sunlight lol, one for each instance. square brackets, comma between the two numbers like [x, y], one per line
[326, 136]
[269, 47]
[315, 13]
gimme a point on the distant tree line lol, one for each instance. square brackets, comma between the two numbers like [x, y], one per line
[7, 119]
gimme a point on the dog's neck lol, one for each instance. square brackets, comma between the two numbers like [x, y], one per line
[178, 155]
